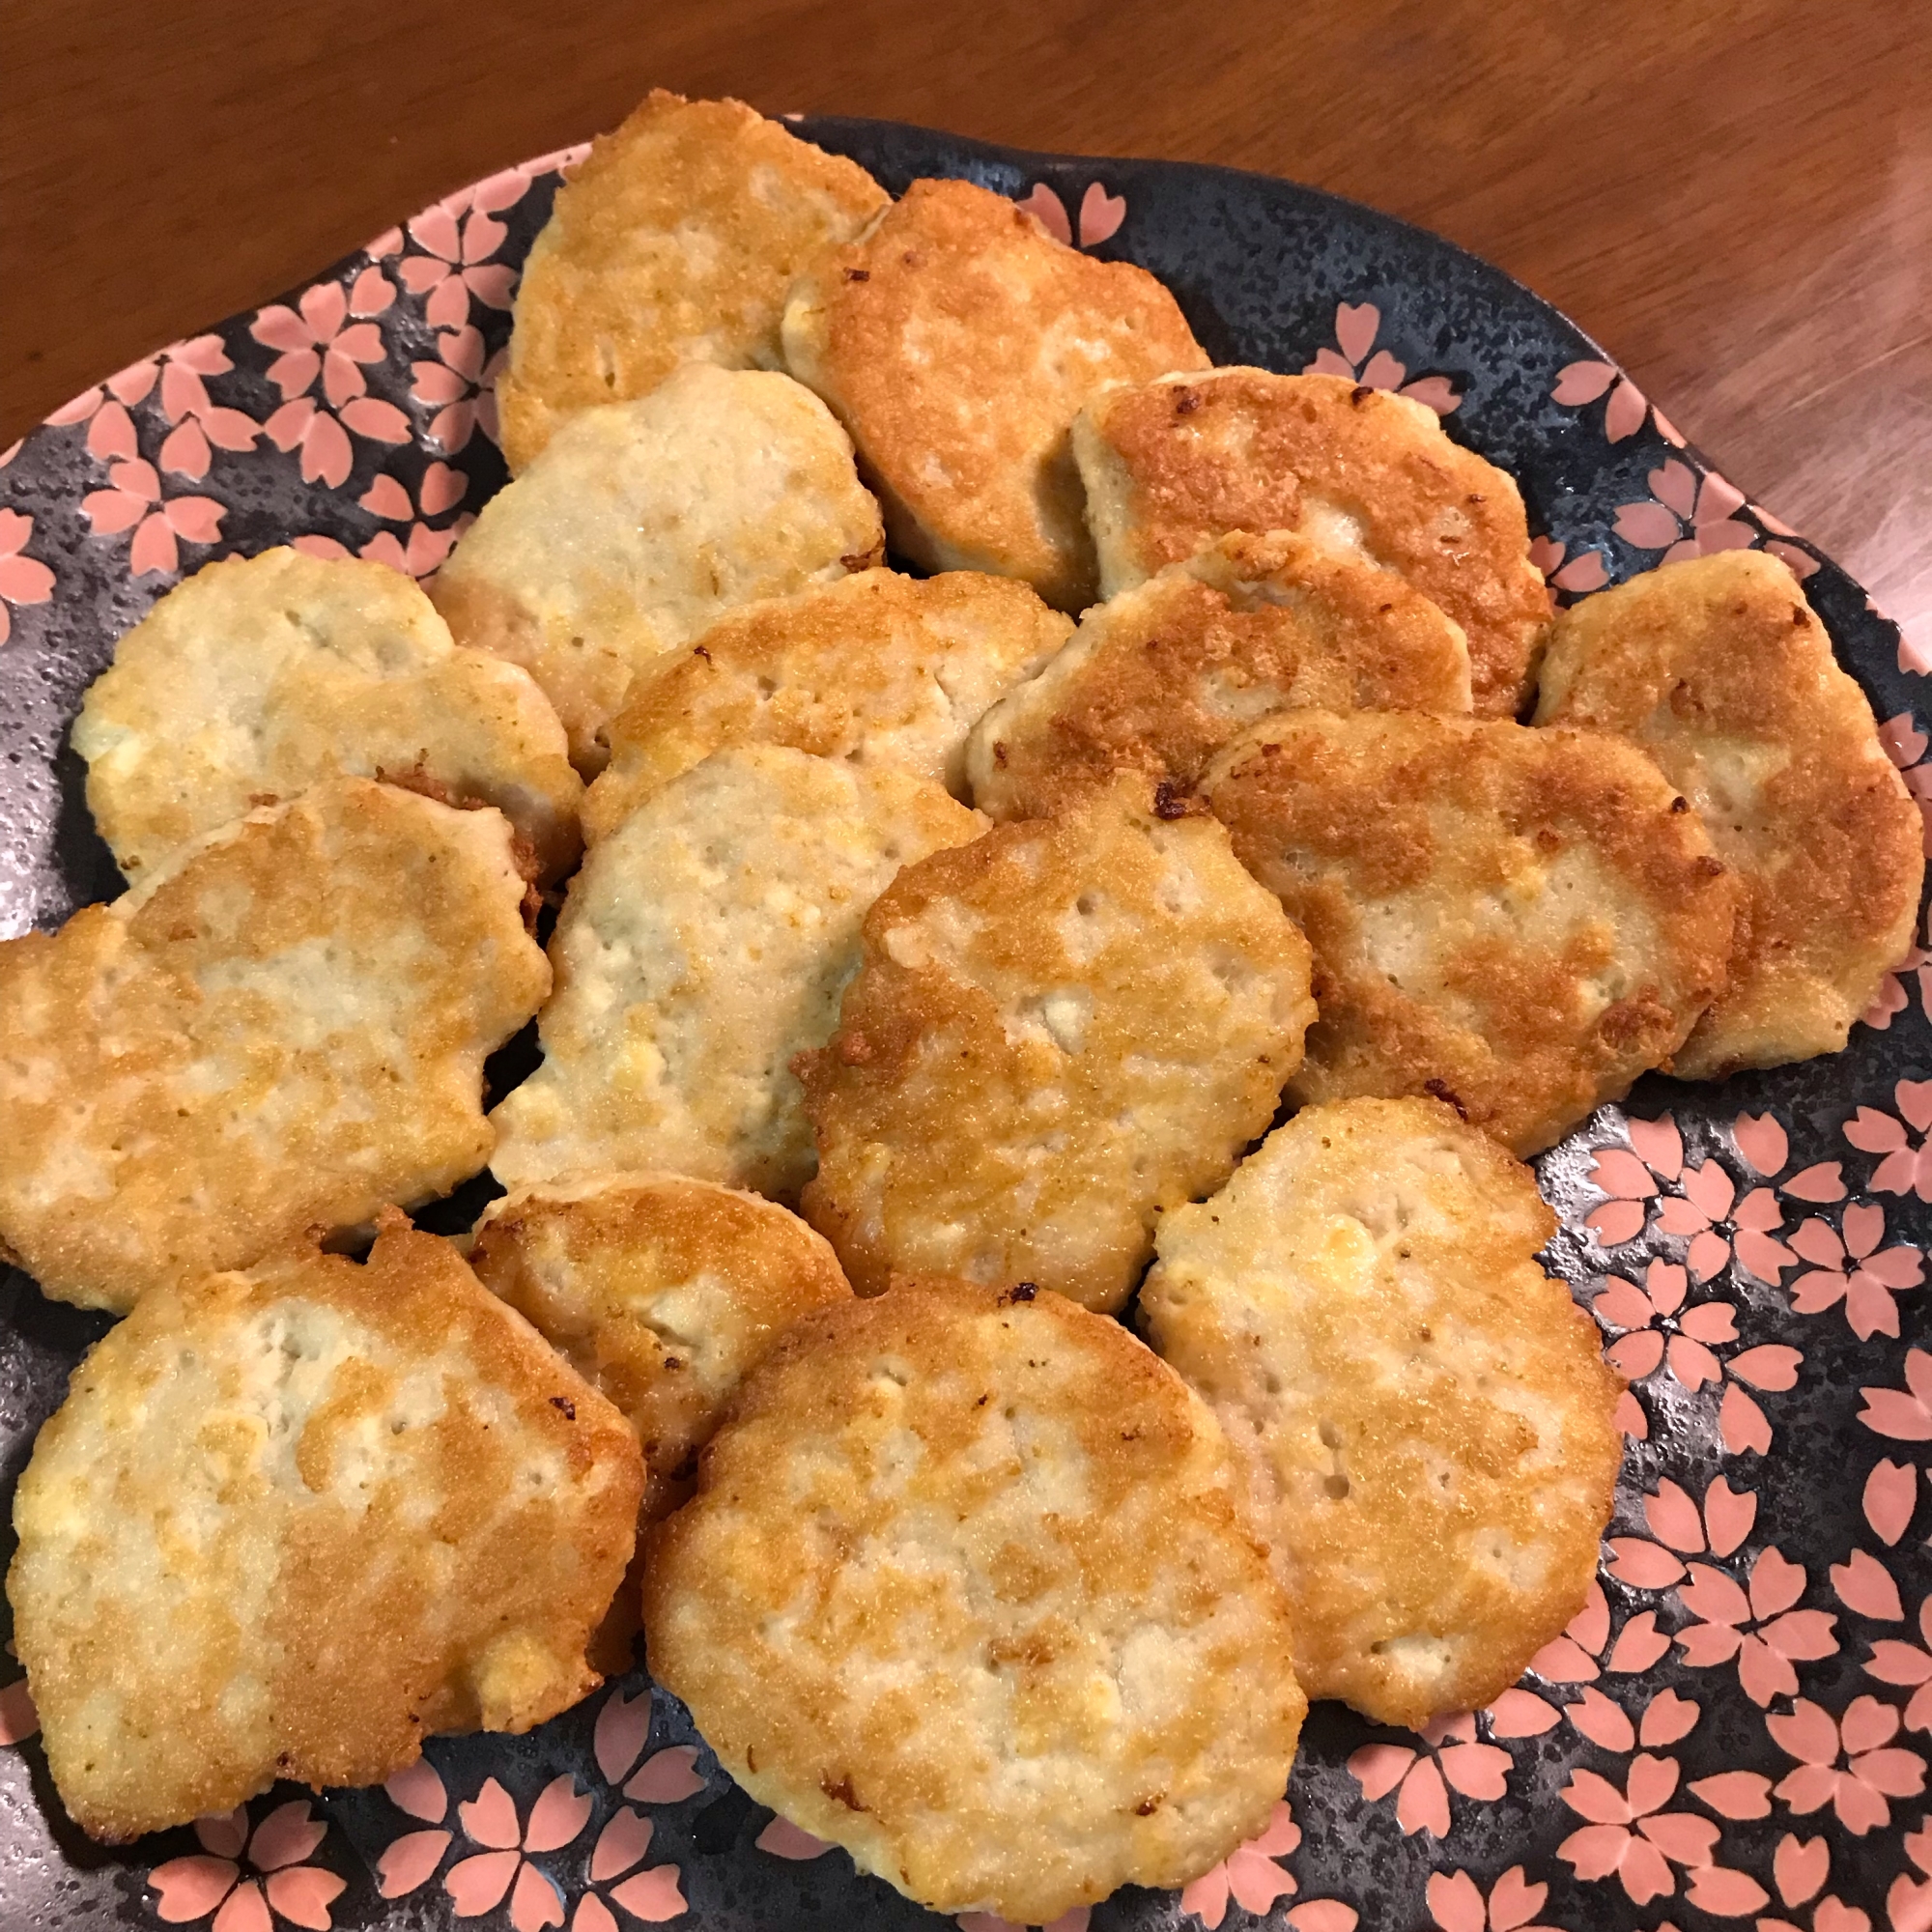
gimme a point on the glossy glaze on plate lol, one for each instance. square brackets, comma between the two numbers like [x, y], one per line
[1736, 1730]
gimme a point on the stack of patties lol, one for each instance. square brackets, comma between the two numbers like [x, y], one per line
[934, 983]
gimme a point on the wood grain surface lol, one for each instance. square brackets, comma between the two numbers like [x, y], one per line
[1734, 196]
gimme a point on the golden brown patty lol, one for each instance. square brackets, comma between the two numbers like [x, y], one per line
[965, 1590]
[1171, 464]
[1424, 1416]
[1160, 677]
[259, 677]
[1718, 668]
[877, 669]
[1518, 922]
[285, 1029]
[643, 523]
[660, 1291]
[290, 1522]
[1057, 1032]
[675, 241]
[956, 341]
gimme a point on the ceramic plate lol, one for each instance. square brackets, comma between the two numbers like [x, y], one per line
[1736, 1727]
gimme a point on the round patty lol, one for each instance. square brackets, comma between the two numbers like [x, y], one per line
[965, 1590]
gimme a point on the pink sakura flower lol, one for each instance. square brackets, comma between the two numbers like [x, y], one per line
[1457, 1904]
[1689, 515]
[1581, 1655]
[1580, 383]
[477, 1884]
[458, 236]
[316, 339]
[1422, 1779]
[421, 551]
[22, 579]
[1356, 325]
[1659, 1331]
[1852, 1766]
[1666, 1719]
[411, 1860]
[1905, 745]
[1708, 1205]
[1799, 1869]
[1100, 213]
[196, 422]
[1675, 1518]
[1909, 1902]
[460, 388]
[1904, 1414]
[665, 1778]
[783, 1839]
[1583, 572]
[1756, 1624]
[1906, 1168]
[1630, 1836]
[1848, 1267]
[1891, 1498]
[652, 1894]
[1250, 1876]
[1800, 562]
[1892, 1662]
[133, 500]
[275, 1861]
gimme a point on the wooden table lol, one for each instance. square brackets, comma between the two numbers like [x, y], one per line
[1734, 196]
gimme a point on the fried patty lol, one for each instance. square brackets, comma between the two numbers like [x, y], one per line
[675, 241]
[1058, 1033]
[1171, 464]
[1518, 922]
[292, 1522]
[1720, 669]
[662, 1291]
[1424, 1416]
[704, 943]
[643, 522]
[1158, 678]
[957, 340]
[283, 1028]
[965, 1590]
[877, 669]
[259, 677]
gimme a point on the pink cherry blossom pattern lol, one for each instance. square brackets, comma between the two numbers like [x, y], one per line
[1799, 1869]
[1099, 220]
[1451, 1760]
[1906, 745]
[1764, 1147]
[18, 1719]
[1850, 1764]
[458, 236]
[653, 1894]
[408, 1861]
[1754, 1625]
[1580, 383]
[134, 500]
[783, 1839]
[666, 1776]
[23, 580]
[452, 388]
[1250, 1876]
[1660, 1332]
[1903, 1414]
[1680, 1523]
[1905, 1168]
[196, 422]
[1890, 1499]
[1628, 1836]
[1356, 359]
[327, 337]
[477, 1884]
[1908, 1665]
[1580, 573]
[1800, 562]
[1685, 515]
[1584, 1652]
[1850, 1270]
[1908, 1905]
[247, 1881]
[1456, 1903]
[1666, 1719]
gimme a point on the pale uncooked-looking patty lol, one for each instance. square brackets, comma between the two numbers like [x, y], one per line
[662, 1291]
[643, 522]
[704, 943]
[1518, 922]
[675, 241]
[1159, 677]
[965, 1590]
[284, 1029]
[290, 1522]
[1425, 1417]
[1059, 1032]
[1718, 668]
[1171, 464]
[877, 669]
[956, 340]
[259, 677]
